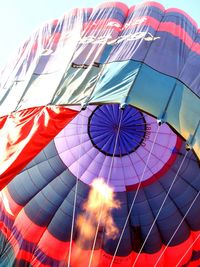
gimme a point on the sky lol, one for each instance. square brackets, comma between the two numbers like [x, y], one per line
[19, 18]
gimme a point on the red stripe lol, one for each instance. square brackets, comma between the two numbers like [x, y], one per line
[30, 231]
[177, 31]
[162, 8]
[131, 10]
[140, 21]
[25, 133]
[80, 257]
[160, 173]
[53, 247]
[196, 48]
[196, 238]
[52, 40]
[169, 27]
[177, 10]
[24, 255]
[105, 24]
[58, 250]
[54, 22]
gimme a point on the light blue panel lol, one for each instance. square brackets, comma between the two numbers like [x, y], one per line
[115, 82]
[183, 113]
[77, 85]
[151, 91]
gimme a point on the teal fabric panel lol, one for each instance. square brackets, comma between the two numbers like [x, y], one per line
[115, 82]
[183, 114]
[151, 91]
[77, 86]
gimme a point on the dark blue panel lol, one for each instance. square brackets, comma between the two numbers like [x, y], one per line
[109, 123]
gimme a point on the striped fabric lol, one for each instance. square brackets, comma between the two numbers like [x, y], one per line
[135, 73]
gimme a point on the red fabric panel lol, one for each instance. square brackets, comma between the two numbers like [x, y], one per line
[24, 133]
[27, 228]
[58, 250]
[2, 121]
[194, 264]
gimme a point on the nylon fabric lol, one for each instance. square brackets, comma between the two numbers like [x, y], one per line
[62, 97]
[165, 41]
[25, 133]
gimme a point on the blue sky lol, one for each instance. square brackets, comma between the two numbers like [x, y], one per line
[18, 18]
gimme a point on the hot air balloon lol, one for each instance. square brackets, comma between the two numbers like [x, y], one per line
[100, 138]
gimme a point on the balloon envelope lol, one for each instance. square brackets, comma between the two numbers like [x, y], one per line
[134, 72]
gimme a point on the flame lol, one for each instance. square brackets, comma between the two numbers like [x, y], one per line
[97, 212]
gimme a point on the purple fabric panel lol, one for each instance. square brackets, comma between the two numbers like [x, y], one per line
[190, 74]
[169, 52]
[134, 40]
[87, 162]
[104, 24]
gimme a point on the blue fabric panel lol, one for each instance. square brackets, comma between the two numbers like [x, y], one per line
[181, 20]
[40, 172]
[142, 215]
[94, 38]
[126, 245]
[63, 215]
[169, 53]
[119, 217]
[131, 43]
[40, 209]
[150, 10]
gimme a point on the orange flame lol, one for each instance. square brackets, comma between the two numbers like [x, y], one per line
[97, 211]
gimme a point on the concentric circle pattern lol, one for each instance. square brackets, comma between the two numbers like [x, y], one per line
[116, 132]
[87, 148]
